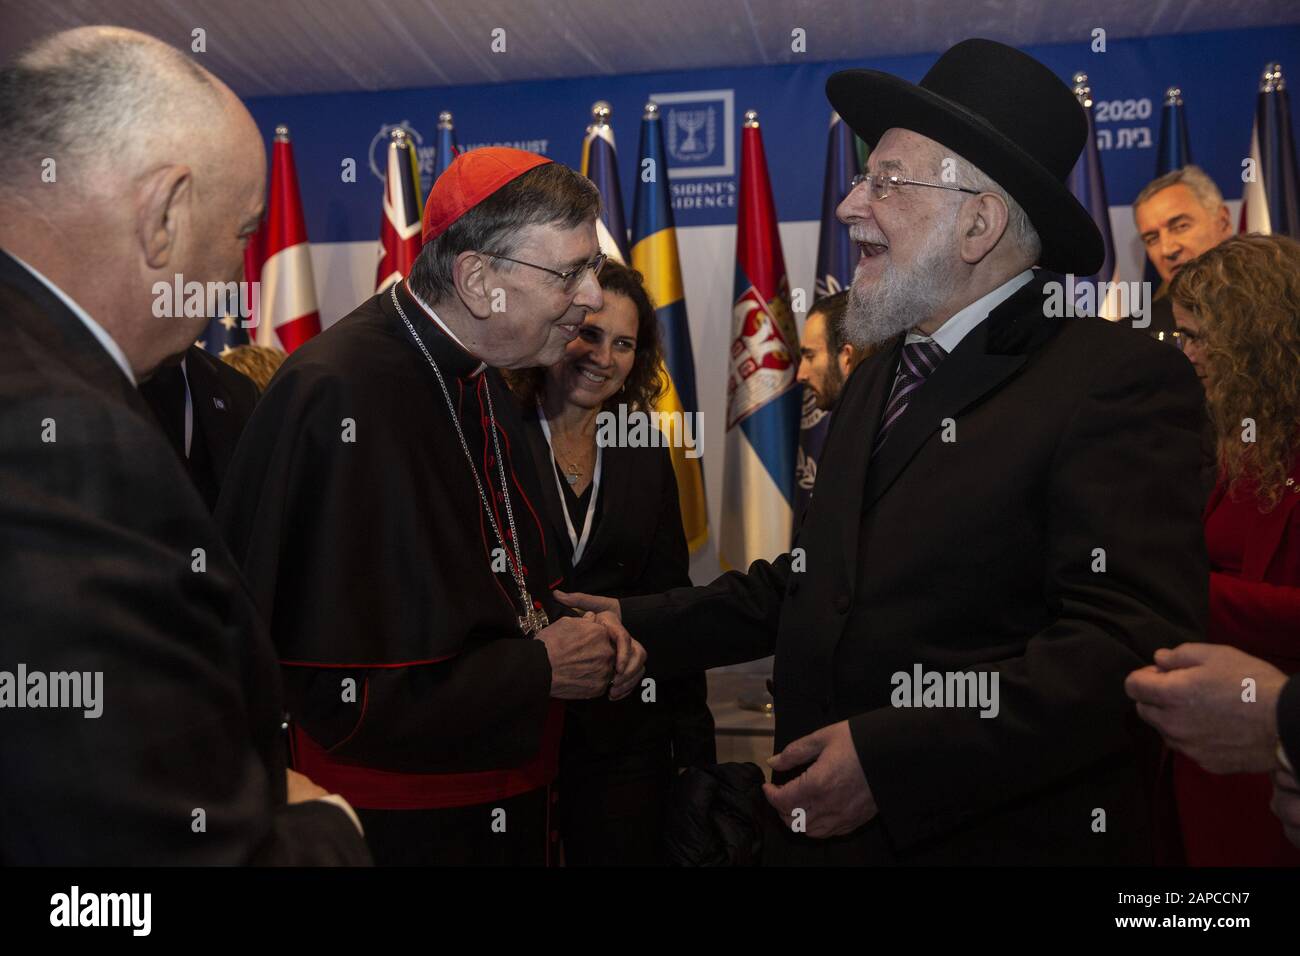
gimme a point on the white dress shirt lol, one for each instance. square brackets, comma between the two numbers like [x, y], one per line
[443, 325]
[949, 335]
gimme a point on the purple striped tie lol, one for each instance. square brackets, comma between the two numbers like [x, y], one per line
[918, 361]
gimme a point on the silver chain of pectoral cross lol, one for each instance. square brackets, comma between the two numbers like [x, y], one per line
[532, 619]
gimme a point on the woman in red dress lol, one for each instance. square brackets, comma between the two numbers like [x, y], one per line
[1237, 308]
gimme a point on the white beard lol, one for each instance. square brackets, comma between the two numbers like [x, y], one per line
[899, 300]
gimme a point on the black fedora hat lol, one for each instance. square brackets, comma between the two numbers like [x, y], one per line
[1003, 111]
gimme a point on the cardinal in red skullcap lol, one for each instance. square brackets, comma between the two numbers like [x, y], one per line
[383, 505]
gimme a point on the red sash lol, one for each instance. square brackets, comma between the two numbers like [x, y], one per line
[369, 789]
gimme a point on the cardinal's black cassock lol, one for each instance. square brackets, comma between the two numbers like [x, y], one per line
[393, 601]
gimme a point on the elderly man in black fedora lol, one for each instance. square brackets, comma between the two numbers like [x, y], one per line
[1002, 527]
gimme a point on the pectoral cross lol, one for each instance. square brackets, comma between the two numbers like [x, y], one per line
[534, 619]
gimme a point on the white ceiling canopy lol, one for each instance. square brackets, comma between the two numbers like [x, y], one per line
[278, 47]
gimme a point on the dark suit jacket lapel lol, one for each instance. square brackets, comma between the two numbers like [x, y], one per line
[67, 337]
[216, 424]
[990, 353]
[848, 446]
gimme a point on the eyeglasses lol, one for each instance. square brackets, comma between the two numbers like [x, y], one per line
[882, 185]
[569, 280]
[1178, 340]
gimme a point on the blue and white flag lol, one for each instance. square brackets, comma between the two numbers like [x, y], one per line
[1271, 200]
[600, 165]
[1173, 151]
[1089, 187]
[836, 260]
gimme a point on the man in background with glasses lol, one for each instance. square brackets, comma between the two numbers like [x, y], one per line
[1002, 526]
[382, 503]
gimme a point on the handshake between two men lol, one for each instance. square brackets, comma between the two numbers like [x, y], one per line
[592, 654]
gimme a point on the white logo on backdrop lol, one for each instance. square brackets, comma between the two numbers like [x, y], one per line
[696, 147]
[379, 156]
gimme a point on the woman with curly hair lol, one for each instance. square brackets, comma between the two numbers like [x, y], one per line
[1237, 308]
[615, 520]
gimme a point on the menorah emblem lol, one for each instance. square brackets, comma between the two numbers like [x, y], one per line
[697, 131]
[691, 122]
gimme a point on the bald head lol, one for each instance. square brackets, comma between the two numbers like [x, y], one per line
[122, 164]
[101, 102]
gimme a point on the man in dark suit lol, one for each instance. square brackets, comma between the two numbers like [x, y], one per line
[203, 405]
[138, 690]
[1002, 528]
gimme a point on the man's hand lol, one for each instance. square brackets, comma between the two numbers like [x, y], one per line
[301, 789]
[629, 656]
[1286, 803]
[1193, 696]
[590, 602]
[581, 652]
[832, 793]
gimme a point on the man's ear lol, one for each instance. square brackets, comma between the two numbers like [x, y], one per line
[1224, 221]
[162, 210]
[983, 222]
[845, 359]
[469, 274]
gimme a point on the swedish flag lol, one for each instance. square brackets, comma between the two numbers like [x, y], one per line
[654, 255]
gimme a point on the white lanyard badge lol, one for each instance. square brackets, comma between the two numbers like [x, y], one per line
[579, 543]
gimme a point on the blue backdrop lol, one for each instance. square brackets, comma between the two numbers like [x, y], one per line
[1218, 73]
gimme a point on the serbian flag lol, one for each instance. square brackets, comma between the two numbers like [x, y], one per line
[278, 258]
[1088, 185]
[600, 165]
[654, 255]
[762, 402]
[399, 228]
[447, 148]
[1173, 151]
[1271, 199]
[836, 260]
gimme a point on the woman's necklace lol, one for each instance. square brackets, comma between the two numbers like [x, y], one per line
[572, 471]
